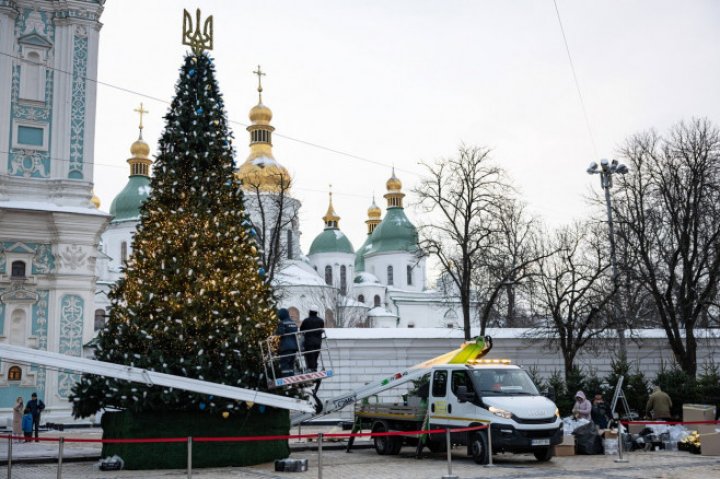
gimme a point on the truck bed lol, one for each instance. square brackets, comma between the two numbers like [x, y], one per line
[391, 411]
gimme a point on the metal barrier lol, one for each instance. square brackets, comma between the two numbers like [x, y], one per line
[319, 437]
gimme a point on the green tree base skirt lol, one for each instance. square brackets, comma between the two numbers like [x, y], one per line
[167, 424]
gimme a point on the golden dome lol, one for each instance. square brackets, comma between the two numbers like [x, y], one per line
[261, 171]
[393, 184]
[140, 149]
[374, 212]
[394, 195]
[260, 114]
[264, 174]
[95, 200]
[331, 218]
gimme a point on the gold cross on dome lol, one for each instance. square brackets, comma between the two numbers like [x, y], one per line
[141, 111]
[259, 74]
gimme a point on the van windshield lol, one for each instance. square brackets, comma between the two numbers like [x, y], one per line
[503, 382]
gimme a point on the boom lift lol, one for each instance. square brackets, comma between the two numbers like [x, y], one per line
[469, 351]
[82, 365]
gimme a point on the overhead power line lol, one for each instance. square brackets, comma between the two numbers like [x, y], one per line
[287, 137]
[577, 83]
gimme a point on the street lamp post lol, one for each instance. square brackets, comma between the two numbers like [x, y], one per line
[606, 170]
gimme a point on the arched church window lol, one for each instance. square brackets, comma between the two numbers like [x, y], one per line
[390, 280]
[409, 275]
[361, 299]
[14, 373]
[123, 252]
[17, 269]
[99, 322]
[343, 279]
[328, 275]
[289, 244]
[376, 301]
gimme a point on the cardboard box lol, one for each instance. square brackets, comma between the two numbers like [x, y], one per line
[703, 428]
[699, 412]
[636, 428]
[564, 450]
[568, 440]
[710, 444]
[610, 434]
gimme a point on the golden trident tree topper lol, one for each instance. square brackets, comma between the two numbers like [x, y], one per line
[195, 38]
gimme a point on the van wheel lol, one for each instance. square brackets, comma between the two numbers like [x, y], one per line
[478, 448]
[386, 445]
[544, 454]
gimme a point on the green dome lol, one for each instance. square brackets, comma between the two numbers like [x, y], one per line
[126, 205]
[360, 255]
[332, 240]
[395, 233]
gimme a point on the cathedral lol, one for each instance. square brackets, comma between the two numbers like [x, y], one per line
[382, 284]
[60, 253]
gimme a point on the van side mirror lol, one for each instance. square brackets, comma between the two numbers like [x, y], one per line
[463, 395]
[550, 393]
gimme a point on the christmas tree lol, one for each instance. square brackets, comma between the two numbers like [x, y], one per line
[194, 301]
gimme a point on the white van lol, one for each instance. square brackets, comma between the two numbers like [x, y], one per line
[481, 391]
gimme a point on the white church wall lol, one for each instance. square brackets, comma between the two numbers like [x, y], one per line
[336, 261]
[427, 309]
[379, 263]
[114, 236]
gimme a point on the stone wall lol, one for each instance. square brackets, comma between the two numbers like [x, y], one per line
[362, 355]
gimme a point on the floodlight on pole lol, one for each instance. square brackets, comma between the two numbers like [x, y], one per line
[606, 171]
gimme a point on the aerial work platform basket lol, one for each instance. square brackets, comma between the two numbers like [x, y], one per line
[293, 368]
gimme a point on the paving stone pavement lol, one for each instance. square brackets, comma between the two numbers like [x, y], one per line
[365, 463]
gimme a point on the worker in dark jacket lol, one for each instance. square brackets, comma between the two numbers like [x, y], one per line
[288, 348]
[312, 329]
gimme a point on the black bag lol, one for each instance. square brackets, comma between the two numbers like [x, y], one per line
[587, 440]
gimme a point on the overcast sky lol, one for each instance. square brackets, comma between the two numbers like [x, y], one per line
[399, 82]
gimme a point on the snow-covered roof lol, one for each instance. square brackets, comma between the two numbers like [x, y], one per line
[495, 333]
[48, 206]
[365, 278]
[298, 273]
[264, 161]
[350, 302]
[378, 311]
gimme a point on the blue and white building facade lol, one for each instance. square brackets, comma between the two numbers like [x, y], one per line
[50, 226]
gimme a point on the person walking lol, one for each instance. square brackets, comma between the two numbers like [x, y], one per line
[312, 329]
[36, 407]
[18, 410]
[582, 407]
[288, 347]
[658, 405]
[27, 424]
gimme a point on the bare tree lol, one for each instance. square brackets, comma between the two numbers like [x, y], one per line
[273, 213]
[462, 193]
[574, 291]
[507, 263]
[670, 210]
